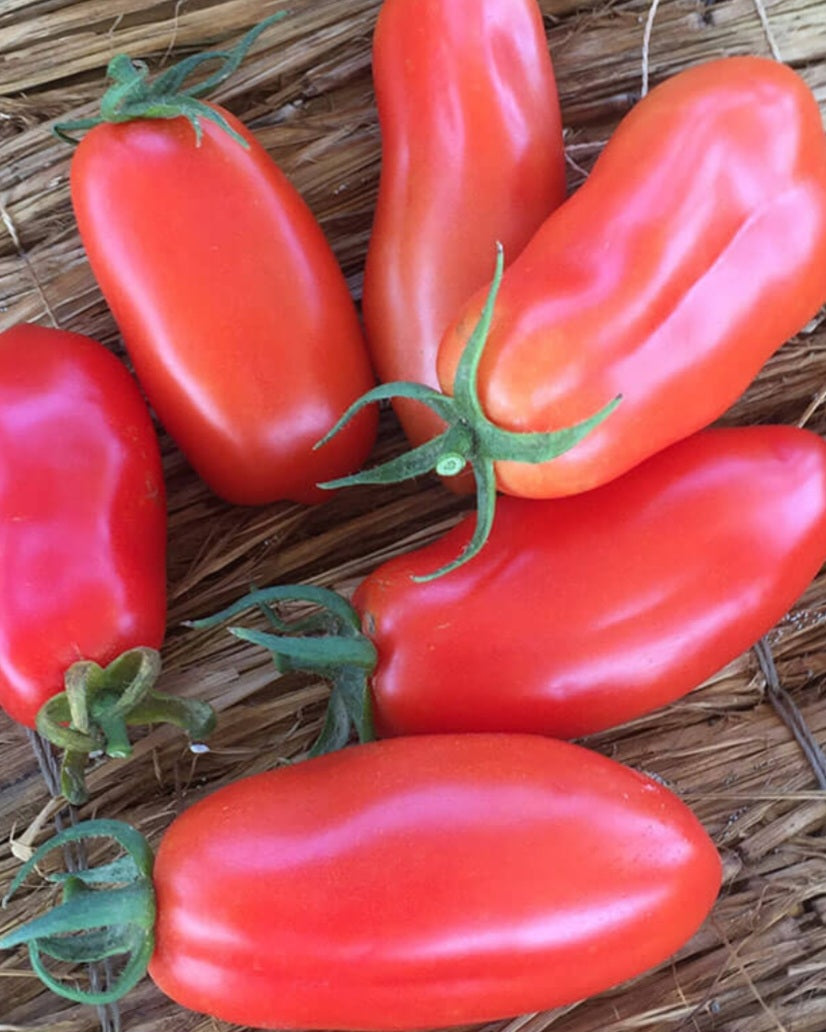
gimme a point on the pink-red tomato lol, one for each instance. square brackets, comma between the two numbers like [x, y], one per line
[472, 154]
[232, 305]
[425, 882]
[583, 612]
[82, 514]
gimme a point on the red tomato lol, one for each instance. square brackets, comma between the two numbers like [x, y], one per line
[231, 303]
[471, 153]
[696, 247]
[425, 882]
[581, 613]
[82, 514]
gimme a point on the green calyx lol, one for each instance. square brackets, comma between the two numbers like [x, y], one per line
[105, 912]
[330, 642]
[133, 95]
[471, 439]
[99, 704]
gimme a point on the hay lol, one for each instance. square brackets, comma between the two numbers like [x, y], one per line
[759, 964]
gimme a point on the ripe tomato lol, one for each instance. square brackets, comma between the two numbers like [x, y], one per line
[82, 514]
[696, 247]
[231, 303]
[425, 882]
[584, 612]
[471, 153]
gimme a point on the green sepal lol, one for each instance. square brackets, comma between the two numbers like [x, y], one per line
[140, 952]
[64, 130]
[330, 642]
[83, 911]
[337, 608]
[86, 947]
[471, 439]
[318, 623]
[133, 95]
[322, 653]
[194, 716]
[99, 704]
[93, 924]
[123, 869]
[485, 511]
[434, 399]
[335, 732]
[425, 457]
[350, 706]
[132, 842]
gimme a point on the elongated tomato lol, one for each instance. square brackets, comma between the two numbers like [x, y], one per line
[231, 303]
[425, 882]
[471, 154]
[82, 514]
[581, 613]
[696, 248]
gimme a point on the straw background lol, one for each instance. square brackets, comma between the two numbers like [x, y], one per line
[759, 963]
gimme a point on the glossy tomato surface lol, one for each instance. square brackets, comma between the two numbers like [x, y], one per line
[425, 882]
[82, 514]
[696, 247]
[581, 613]
[232, 305]
[472, 154]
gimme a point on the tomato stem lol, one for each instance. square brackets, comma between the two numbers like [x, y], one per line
[93, 923]
[100, 703]
[133, 95]
[471, 439]
[333, 645]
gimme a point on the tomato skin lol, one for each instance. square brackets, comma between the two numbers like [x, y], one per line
[696, 248]
[472, 154]
[82, 514]
[425, 882]
[233, 308]
[594, 609]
